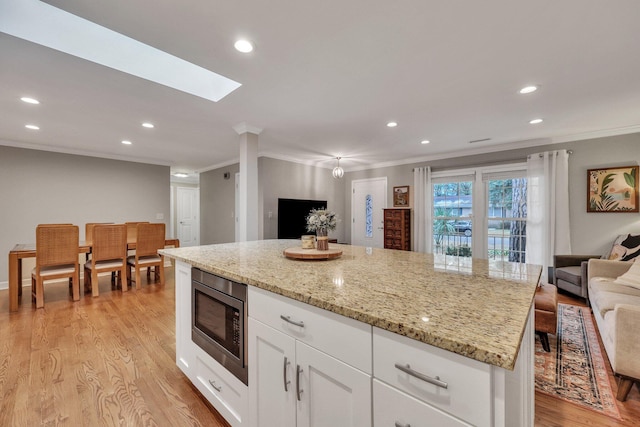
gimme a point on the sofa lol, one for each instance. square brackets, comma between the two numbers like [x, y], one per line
[614, 293]
[570, 271]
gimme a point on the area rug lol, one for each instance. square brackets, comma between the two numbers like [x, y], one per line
[574, 370]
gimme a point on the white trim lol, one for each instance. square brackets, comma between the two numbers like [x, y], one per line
[244, 127]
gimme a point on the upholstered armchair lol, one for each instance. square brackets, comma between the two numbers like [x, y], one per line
[570, 273]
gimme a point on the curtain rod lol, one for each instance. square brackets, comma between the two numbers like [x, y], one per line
[528, 157]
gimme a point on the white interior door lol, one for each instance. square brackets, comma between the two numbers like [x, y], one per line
[188, 213]
[368, 199]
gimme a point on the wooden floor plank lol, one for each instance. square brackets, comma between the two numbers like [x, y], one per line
[110, 361]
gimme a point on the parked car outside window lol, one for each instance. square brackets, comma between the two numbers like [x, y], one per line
[462, 226]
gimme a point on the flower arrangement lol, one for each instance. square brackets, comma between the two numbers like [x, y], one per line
[321, 220]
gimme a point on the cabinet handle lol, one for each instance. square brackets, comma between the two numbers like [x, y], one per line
[298, 389]
[293, 322]
[435, 381]
[402, 425]
[284, 373]
[216, 388]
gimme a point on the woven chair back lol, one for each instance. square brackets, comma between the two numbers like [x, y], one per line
[150, 239]
[56, 245]
[88, 231]
[132, 230]
[109, 242]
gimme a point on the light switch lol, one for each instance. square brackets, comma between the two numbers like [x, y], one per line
[159, 216]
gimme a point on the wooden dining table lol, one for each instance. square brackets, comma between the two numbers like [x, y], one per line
[28, 250]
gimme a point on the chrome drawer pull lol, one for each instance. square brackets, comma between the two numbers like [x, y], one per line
[298, 389]
[293, 322]
[216, 388]
[435, 381]
[284, 373]
[402, 425]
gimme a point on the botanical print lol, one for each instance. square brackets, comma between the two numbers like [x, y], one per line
[613, 190]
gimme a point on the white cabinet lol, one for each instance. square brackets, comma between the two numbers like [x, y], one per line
[391, 407]
[292, 383]
[184, 352]
[223, 390]
[272, 367]
[445, 380]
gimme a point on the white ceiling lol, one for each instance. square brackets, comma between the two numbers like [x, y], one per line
[325, 78]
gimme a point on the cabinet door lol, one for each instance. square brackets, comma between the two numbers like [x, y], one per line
[331, 393]
[184, 352]
[272, 398]
[391, 407]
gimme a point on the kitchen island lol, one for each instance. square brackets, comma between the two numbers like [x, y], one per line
[472, 313]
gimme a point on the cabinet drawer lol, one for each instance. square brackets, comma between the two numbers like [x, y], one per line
[224, 391]
[392, 407]
[343, 338]
[468, 391]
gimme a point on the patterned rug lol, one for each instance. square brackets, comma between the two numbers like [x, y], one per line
[575, 369]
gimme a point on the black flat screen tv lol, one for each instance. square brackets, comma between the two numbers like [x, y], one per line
[292, 216]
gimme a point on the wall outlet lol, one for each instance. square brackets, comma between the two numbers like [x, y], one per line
[159, 216]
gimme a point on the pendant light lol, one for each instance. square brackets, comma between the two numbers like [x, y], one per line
[338, 172]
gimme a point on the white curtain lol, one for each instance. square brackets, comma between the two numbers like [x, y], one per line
[422, 230]
[548, 230]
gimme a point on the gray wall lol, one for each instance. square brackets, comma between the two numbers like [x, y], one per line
[43, 187]
[276, 179]
[217, 205]
[591, 233]
[282, 179]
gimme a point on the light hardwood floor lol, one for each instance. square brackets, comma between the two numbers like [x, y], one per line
[110, 361]
[105, 361]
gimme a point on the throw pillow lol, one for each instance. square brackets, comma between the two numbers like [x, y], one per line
[617, 252]
[631, 277]
[632, 243]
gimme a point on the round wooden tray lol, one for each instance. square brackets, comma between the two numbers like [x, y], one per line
[299, 253]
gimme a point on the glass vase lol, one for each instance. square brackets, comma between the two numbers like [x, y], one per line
[322, 239]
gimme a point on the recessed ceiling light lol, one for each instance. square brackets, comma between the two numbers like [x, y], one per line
[528, 89]
[148, 125]
[126, 142]
[32, 127]
[392, 124]
[180, 175]
[244, 46]
[425, 141]
[29, 100]
[535, 121]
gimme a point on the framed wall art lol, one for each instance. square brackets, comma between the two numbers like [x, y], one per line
[612, 189]
[401, 197]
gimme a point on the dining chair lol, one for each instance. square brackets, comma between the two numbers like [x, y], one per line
[132, 229]
[56, 258]
[109, 254]
[150, 238]
[88, 231]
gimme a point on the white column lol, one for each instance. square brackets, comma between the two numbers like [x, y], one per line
[248, 181]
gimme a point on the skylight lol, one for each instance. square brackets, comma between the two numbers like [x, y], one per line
[48, 26]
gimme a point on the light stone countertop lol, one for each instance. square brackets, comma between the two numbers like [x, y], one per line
[473, 307]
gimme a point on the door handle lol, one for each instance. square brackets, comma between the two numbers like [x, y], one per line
[284, 373]
[298, 389]
[293, 322]
[435, 380]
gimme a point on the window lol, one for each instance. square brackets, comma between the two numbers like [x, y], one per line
[452, 215]
[481, 212]
[507, 219]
